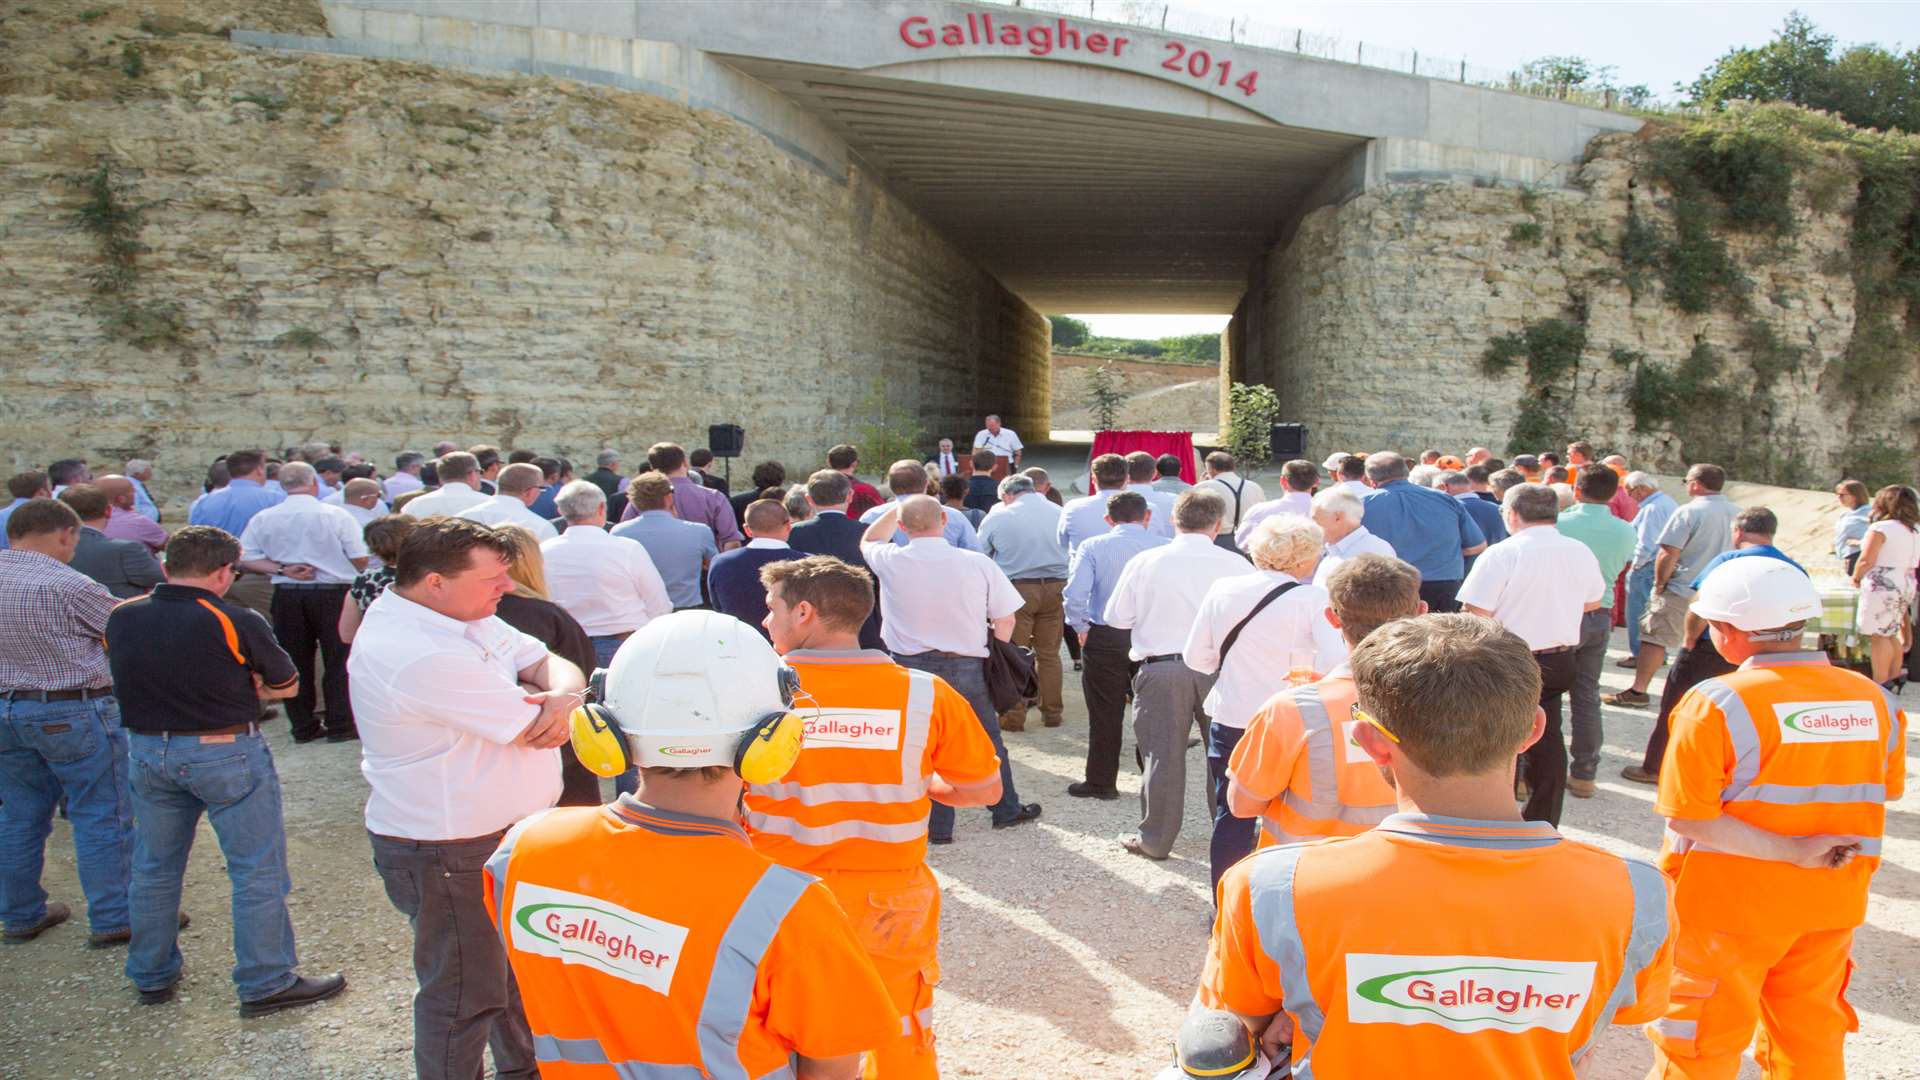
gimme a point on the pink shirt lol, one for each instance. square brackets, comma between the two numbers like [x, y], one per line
[127, 525]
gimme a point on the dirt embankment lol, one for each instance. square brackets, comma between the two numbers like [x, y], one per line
[1159, 397]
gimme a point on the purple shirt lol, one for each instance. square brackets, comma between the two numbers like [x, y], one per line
[693, 501]
[1293, 502]
[127, 525]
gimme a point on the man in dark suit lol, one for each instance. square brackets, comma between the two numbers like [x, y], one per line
[768, 477]
[733, 580]
[700, 463]
[947, 463]
[125, 567]
[833, 532]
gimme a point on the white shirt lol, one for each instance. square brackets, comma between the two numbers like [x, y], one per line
[768, 543]
[607, 583]
[1899, 545]
[302, 529]
[1357, 542]
[1358, 487]
[1003, 445]
[935, 597]
[438, 704]
[1224, 485]
[1536, 583]
[400, 483]
[1162, 504]
[364, 514]
[509, 510]
[1160, 590]
[1257, 667]
[447, 499]
[339, 498]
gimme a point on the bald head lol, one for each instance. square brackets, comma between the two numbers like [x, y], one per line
[361, 492]
[767, 519]
[118, 490]
[921, 515]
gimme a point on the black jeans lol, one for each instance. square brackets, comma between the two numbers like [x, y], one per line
[1545, 762]
[1106, 679]
[307, 620]
[468, 999]
[1441, 596]
[1692, 667]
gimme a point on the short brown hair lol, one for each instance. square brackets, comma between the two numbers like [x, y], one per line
[1597, 483]
[445, 546]
[40, 516]
[485, 456]
[829, 488]
[1711, 477]
[666, 457]
[1582, 447]
[243, 462]
[650, 491]
[30, 483]
[385, 534]
[907, 477]
[982, 459]
[87, 500]
[199, 550]
[769, 474]
[1300, 475]
[1141, 467]
[1196, 510]
[457, 467]
[1126, 507]
[842, 594]
[1458, 691]
[954, 487]
[766, 515]
[843, 456]
[1109, 471]
[1370, 591]
[1221, 461]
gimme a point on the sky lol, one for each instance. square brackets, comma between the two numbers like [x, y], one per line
[1656, 42]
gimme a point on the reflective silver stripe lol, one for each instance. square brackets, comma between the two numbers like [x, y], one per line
[1322, 769]
[1353, 815]
[1676, 1029]
[1795, 794]
[497, 866]
[590, 1052]
[777, 825]
[1270, 885]
[1649, 932]
[924, 1016]
[1676, 843]
[723, 1015]
[1893, 719]
[917, 731]
[1740, 732]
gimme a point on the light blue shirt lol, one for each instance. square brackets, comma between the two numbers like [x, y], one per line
[1427, 528]
[679, 549]
[1851, 531]
[1655, 509]
[1023, 539]
[959, 531]
[233, 506]
[1081, 520]
[1095, 571]
[1161, 503]
[143, 503]
[4, 515]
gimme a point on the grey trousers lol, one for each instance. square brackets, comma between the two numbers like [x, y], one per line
[1166, 706]
[1596, 628]
[467, 999]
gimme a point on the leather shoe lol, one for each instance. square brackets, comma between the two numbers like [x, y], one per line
[300, 739]
[1627, 699]
[1580, 789]
[1011, 722]
[160, 996]
[1641, 776]
[1080, 789]
[306, 990]
[1027, 813]
[939, 839]
[121, 937]
[57, 913]
[343, 736]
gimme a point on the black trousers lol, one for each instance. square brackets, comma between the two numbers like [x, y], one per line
[307, 621]
[1441, 595]
[1072, 638]
[1692, 667]
[1106, 679]
[1545, 762]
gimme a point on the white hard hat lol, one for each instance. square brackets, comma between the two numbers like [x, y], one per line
[686, 686]
[1757, 592]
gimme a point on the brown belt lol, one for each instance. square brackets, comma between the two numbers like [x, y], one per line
[232, 729]
[57, 695]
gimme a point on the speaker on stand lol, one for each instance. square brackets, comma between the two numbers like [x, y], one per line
[1286, 441]
[727, 441]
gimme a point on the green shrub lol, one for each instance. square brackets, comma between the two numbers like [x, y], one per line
[1104, 397]
[1252, 410]
[1525, 232]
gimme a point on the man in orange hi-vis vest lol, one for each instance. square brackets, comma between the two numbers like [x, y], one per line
[883, 740]
[1299, 768]
[648, 937]
[1774, 787]
[1403, 951]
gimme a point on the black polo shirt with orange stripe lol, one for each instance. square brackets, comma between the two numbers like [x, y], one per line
[183, 661]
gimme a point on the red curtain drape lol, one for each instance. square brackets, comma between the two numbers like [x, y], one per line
[1177, 443]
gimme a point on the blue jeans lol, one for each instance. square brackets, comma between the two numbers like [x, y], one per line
[75, 747]
[1639, 595]
[968, 675]
[1234, 838]
[175, 779]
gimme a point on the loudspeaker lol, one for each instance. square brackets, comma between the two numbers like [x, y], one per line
[1287, 441]
[727, 440]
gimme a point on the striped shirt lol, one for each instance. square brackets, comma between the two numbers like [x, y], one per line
[53, 620]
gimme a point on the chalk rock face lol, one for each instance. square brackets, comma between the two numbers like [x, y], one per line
[391, 254]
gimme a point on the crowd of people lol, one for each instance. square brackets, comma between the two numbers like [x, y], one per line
[793, 688]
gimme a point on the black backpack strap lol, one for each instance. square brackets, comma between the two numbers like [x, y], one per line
[1233, 635]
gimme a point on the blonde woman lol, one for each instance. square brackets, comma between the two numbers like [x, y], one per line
[528, 610]
[1888, 555]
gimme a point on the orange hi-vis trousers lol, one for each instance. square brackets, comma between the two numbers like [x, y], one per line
[1793, 985]
[896, 915]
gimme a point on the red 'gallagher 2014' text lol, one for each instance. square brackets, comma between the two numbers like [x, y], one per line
[1042, 39]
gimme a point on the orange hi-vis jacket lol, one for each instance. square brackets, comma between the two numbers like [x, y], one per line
[857, 797]
[655, 944]
[1300, 755]
[1434, 946]
[1795, 746]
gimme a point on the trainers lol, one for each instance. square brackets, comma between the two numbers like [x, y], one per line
[1641, 776]
[306, 990]
[57, 913]
[120, 937]
[1580, 789]
[1627, 699]
[1627, 662]
[1080, 789]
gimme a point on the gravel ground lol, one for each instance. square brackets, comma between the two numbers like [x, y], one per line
[1063, 955]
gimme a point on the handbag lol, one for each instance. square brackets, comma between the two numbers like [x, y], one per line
[1233, 635]
[1011, 679]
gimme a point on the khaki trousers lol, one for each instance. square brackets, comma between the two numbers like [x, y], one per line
[253, 591]
[1039, 625]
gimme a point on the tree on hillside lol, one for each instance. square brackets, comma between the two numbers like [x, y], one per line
[1562, 77]
[1868, 85]
[1068, 331]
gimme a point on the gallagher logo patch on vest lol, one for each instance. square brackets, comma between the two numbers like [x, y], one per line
[855, 729]
[577, 929]
[1467, 993]
[1827, 721]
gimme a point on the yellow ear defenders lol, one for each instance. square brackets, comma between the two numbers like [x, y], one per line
[766, 751]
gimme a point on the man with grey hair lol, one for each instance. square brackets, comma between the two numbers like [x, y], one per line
[515, 489]
[1043, 484]
[1338, 513]
[607, 583]
[361, 498]
[1004, 443]
[1503, 481]
[311, 552]
[1655, 507]
[459, 476]
[1155, 601]
[1427, 529]
[1021, 536]
[406, 474]
[1539, 584]
[140, 471]
[606, 473]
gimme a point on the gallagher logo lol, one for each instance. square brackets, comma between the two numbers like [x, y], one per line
[683, 751]
[1467, 993]
[1827, 721]
[577, 929]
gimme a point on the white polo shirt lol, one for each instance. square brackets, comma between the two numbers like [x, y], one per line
[1257, 667]
[607, 583]
[438, 704]
[1160, 590]
[1005, 444]
[509, 510]
[302, 529]
[935, 597]
[1537, 583]
[447, 499]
